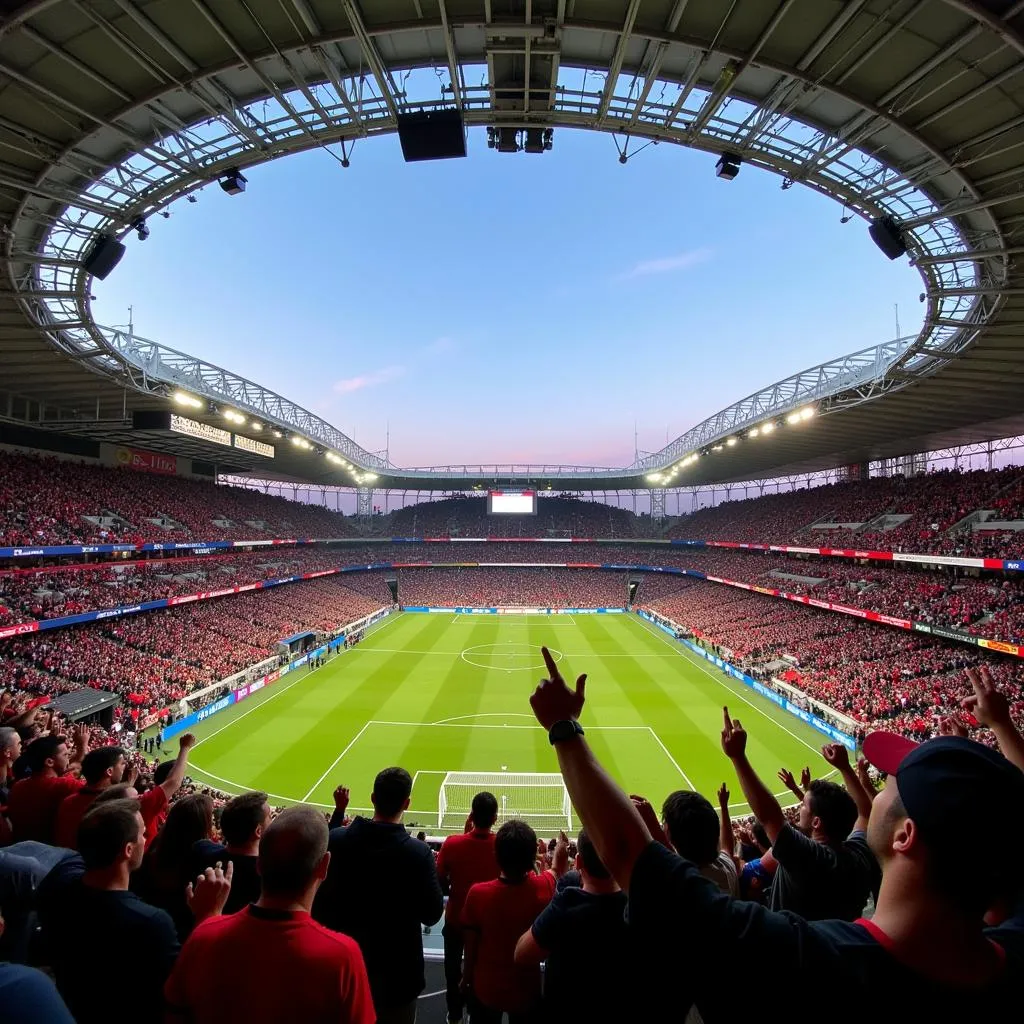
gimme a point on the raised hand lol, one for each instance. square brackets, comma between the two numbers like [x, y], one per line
[211, 890]
[836, 755]
[723, 795]
[952, 725]
[553, 701]
[649, 818]
[341, 798]
[187, 741]
[786, 778]
[805, 777]
[987, 704]
[734, 738]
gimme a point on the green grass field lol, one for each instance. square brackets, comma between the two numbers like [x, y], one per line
[438, 693]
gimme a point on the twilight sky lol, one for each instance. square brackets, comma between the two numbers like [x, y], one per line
[511, 308]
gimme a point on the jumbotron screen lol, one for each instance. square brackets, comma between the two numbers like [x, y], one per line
[511, 503]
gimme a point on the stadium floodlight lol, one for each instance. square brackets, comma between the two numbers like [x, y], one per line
[256, 425]
[753, 432]
[767, 428]
[277, 434]
[370, 476]
[234, 417]
[233, 182]
[730, 441]
[807, 413]
[184, 398]
[793, 418]
[728, 166]
[654, 477]
[716, 448]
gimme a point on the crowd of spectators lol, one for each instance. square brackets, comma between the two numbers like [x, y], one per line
[223, 909]
[556, 517]
[161, 656]
[53, 592]
[52, 501]
[929, 506]
[530, 588]
[873, 674]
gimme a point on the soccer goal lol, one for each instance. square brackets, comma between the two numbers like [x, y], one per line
[538, 797]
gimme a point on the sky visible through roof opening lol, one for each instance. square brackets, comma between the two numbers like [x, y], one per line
[511, 308]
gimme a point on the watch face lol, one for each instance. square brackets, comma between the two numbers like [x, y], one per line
[563, 731]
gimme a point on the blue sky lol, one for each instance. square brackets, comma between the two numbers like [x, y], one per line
[511, 308]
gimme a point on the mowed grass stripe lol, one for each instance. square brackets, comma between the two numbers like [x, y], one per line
[410, 671]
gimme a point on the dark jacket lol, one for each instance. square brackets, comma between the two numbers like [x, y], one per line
[381, 887]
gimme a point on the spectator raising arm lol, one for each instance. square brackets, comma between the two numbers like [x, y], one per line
[762, 803]
[838, 757]
[726, 840]
[991, 708]
[786, 778]
[172, 783]
[612, 822]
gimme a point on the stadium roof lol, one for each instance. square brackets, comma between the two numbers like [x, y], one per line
[112, 110]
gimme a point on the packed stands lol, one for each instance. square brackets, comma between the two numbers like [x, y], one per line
[540, 588]
[55, 501]
[556, 517]
[155, 658]
[871, 673]
[924, 510]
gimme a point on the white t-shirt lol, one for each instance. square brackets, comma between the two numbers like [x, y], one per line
[722, 871]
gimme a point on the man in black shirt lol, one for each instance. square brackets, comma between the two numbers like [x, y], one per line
[926, 946]
[381, 888]
[85, 907]
[582, 933]
[825, 868]
[243, 821]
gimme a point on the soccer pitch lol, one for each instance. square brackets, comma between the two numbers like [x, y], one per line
[437, 693]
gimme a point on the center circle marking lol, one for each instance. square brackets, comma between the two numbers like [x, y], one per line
[506, 657]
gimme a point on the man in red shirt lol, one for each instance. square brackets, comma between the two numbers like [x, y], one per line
[101, 769]
[495, 914]
[34, 801]
[272, 962]
[463, 861]
[167, 780]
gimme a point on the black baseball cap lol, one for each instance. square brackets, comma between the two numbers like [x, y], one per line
[954, 790]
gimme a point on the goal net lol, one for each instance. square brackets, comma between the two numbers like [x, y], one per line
[538, 797]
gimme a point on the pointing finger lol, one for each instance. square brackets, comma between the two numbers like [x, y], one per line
[552, 667]
[581, 685]
[728, 720]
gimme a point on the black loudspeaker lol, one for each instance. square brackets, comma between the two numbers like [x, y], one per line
[885, 232]
[104, 255]
[431, 135]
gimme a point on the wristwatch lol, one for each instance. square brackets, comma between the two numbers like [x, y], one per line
[564, 730]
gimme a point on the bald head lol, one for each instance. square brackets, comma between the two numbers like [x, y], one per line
[292, 854]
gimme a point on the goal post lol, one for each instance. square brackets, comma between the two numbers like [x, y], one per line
[537, 797]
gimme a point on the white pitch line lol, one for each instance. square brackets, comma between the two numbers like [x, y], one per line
[351, 743]
[675, 763]
[300, 676]
[456, 654]
[684, 654]
[471, 725]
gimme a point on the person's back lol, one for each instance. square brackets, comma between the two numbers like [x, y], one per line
[303, 972]
[381, 889]
[495, 915]
[582, 934]
[86, 911]
[463, 861]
